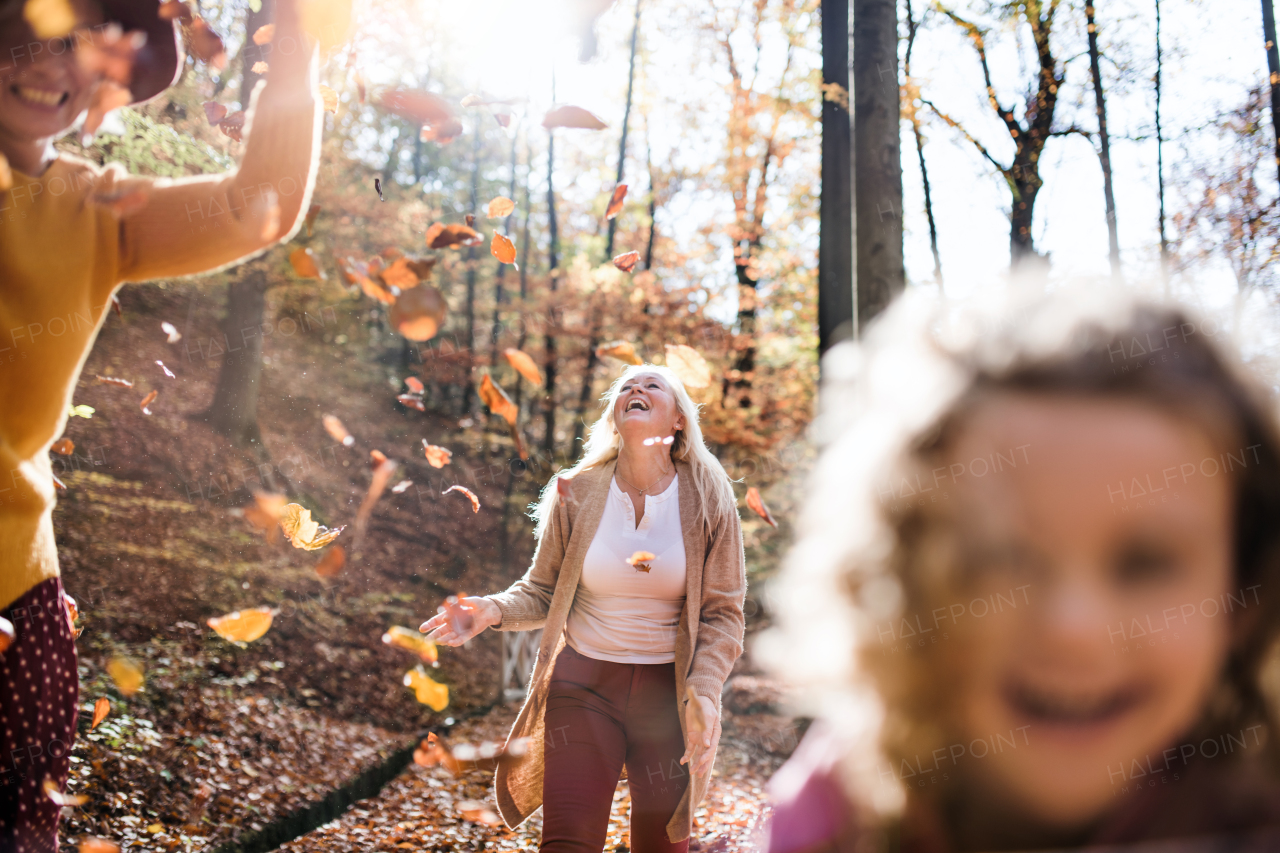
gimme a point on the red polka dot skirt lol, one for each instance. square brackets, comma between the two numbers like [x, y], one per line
[39, 694]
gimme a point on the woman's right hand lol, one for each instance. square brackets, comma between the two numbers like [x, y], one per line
[460, 619]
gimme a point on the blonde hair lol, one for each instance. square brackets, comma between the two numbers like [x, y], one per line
[710, 481]
[890, 409]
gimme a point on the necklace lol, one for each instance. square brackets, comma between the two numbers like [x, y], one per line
[637, 488]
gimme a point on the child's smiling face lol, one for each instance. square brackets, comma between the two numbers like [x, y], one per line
[1111, 538]
[43, 88]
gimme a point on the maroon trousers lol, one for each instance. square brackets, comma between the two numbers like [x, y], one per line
[601, 715]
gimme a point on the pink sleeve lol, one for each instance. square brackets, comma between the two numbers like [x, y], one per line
[810, 808]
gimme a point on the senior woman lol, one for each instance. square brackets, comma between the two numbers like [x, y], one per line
[638, 582]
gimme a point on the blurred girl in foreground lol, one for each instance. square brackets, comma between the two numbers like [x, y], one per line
[1034, 598]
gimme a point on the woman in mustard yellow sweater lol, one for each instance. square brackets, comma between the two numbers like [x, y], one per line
[64, 249]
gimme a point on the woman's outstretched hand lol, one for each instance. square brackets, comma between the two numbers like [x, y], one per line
[460, 619]
[701, 734]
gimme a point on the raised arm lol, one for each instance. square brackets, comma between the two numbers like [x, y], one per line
[525, 603]
[191, 225]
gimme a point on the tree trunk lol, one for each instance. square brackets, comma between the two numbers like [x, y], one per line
[835, 238]
[553, 262]
[1164, 239]
[876, 101]
[499, 293]
[1104, 138]
[472, 263]
[653, 208]
[914, 115]
[1273, 66]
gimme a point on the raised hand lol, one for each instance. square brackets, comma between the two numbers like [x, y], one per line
[460, 618]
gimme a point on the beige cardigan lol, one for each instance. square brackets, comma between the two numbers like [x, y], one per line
[708, 640]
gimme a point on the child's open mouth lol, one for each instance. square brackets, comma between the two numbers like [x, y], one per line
[45, 98]
[1067, 711]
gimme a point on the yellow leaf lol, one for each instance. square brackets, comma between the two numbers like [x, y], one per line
[304, 533]
[430, 693]
[243, 626]
[524, 365]
[49, 19]
[411, 641]
[497, 400]
[126, 674]
[501, 207]
[621, 350]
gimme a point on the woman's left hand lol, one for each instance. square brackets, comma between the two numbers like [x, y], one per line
[700, 746]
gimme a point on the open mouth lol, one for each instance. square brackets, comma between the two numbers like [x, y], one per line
[1065, 709]
[46, 98]
[637, 404]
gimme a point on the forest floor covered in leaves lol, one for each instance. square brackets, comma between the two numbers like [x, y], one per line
[225, 738]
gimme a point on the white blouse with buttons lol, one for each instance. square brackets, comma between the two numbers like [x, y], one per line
[623, 613]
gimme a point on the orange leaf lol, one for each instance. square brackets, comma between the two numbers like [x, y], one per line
[478, 812]
[689, 365]
[330, 99]
[432, 751]
[615, 203]
[304, 263]
[430, 693]
[171, 9]
[215, 111]
[420, 107]
[332, 562]
[111, 380]
[414, 384]
[497, 400]
[337, 431]
[621, 350]
[437, 457]
[312, 213]
[243, 626]
[49, 19]
[452, 236]
[205, 44]
[411, 641]
[100, 845]
[53, 792]
[233, 125]
[126, 674]
[413, 401]
[756, 504]
[503, 249]
[475, 501]
[63, 447]
[627, 261]
[570, 116]
[524, 365]
[260, 67]
[108, 96]
[406, 272]
[501, 207]
[264, 34]
[381, 476]
[418, 313]
[304, 533]
[564, 488]
[640, 561]
[147, 401]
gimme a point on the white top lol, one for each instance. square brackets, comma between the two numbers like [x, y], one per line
[622, 613]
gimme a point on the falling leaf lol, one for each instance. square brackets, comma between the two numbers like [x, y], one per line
[7, 635]
[443, 133]
[337, 431]
[470, 220]
[107, 96]
[243, 626]
[304, 533]
[327, 21]
[260, 67]
[412, 641]
[73, 611]
[167, 371]
[503, 249]
[407, 272]
[475, 501]
[570, 116]
[205, 44]
[381, 476]
[640, 561]
[171, 331]
[564, 488]
[214, 111]
[174, 9]
[264, 34]
[430, 693]
[53, 792]
[155, 828]
[265, 513]
[111, 380]
[621, 350]
[627, 261]
[49, 19]
[312, 213]
[413, 401]
[478, 812]
[233, 125]
[332, 562]
[524, 365]
[418, 314]
[83, 411]
[126, 674]
[697, 722]
[304, 263]
[501, 207]
[497, 400]
[377, 185]
[615, 203]
[63, 447]
[437, 457]
[147, 401]
[756, 504]
[122, 203]
[421, 107]
[99, 845]
[100, 710]
[329, 98]
[452, 236]
[689, 365]
[400, 487]
[414, 384]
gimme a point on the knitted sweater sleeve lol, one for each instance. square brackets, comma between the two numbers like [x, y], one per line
[722, 622]
[524, 604]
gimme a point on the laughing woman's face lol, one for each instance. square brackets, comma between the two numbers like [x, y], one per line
[43, 88]
[1094, 627]
[646, 408]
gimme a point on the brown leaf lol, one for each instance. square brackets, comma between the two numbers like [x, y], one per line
[329, 98]
[147, 401]
[689, 365]
[627, 261]
[615, 203]
[111, 380]
[205, 44]
[621, 350]
[503, 249]
[312, 213]
[304, 263]
[421, 107]
[100, 710]
[332, 562]
[756, 504]
[260, 67]
[304, 533]
[108, 96]
[475, 501]
[418, 313]
[337, 431]
[407, 271]
[640, 561]
[570, 116]
[452, 236]
[501, 207]
[243, 626]
[412, 641]
[171, 9]
[381, 476]
[524, 365]
[264, 34]
[376, 458]
[63, 447]
[497, 400]
[215, 111]
[470, 219]
[564, 488]
[233, 125]
[437, 457]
